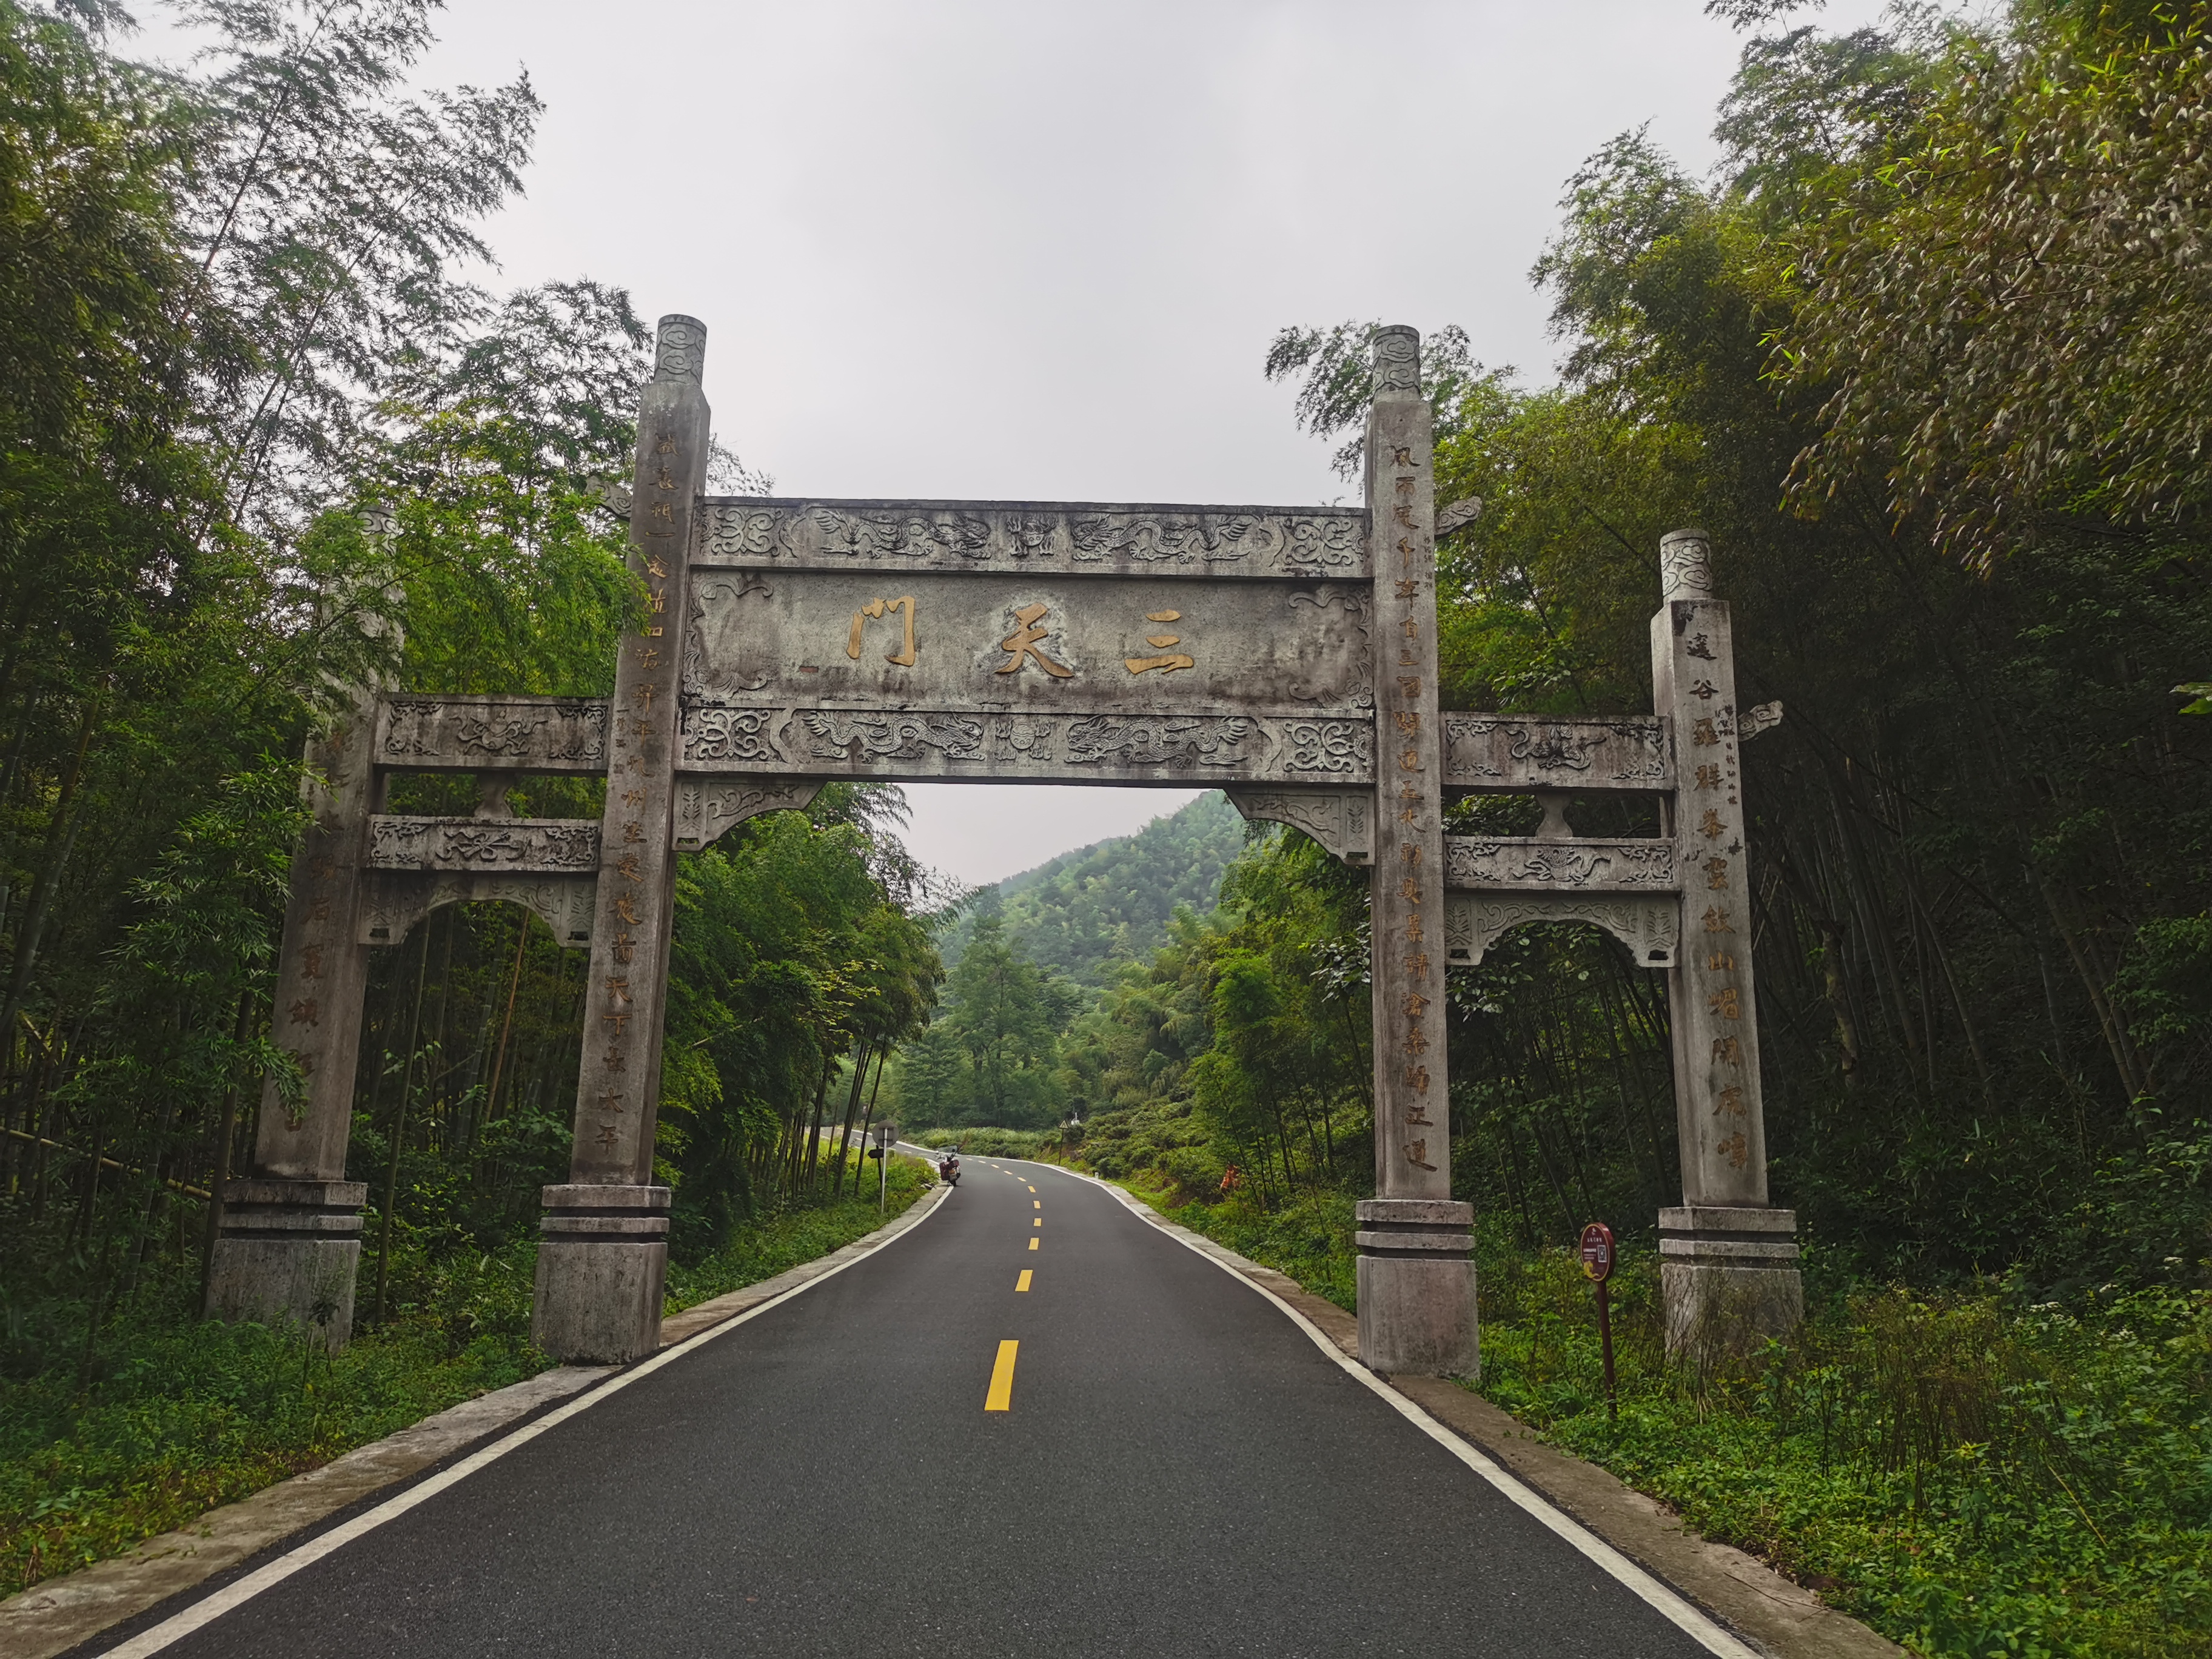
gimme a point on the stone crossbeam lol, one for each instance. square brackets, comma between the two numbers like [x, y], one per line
[1086, 538]
[1526, 865]
[493, 734]
[929, 744]
[1509, 754]
[503, 846]
[1026, 641]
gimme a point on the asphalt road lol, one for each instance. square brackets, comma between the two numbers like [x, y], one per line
[1177, 1470]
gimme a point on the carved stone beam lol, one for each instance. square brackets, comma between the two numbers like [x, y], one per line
[496, 846]
[1459, 514]
[1342, 820]
[1063, 537]
[614, 495]
[393, 901]
[1528, 864]
[1651, 927]
[1760, 717]
[1513, 754]
[493, 734]
[707, 807]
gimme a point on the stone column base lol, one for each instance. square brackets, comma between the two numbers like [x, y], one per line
[286, 1253]
[1417, 1311]
[602, 1264]
[1729, 1278]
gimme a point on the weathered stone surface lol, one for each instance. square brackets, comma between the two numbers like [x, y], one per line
[602, 1265]
[1413, 1090]
[598, 1301]
[1528, 864]
[286, 1254]
[599, 1286]
[488, 734]
[321, 969]
[931, 744]
[1418, 1317]
[1505, 754]
[1713, 1008]
[706, 807]
[392, 902]
[498, 846]
[1031, 536]
[1022, 642]
[1342, 820]
[1717, 1309]
[1651, 927]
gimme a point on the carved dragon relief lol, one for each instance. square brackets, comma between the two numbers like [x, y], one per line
[510, 845]
[1650, 926]
[846, 742]
[1342, 820]
[1071, 536]
[1526, 751]
[1530, 865]
[471, 734]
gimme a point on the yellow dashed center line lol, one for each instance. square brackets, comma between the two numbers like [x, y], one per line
[1033, 1243]
[1035, 1203]
[1001, 1396]
[1038, 1222]
[1023, 1283]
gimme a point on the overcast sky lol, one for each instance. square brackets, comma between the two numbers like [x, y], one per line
[1035, 249]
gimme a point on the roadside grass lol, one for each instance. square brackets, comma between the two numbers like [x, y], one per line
[176, 1415]
[774, 1244]
[1974, 1473]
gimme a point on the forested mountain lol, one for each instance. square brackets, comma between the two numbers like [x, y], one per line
[1031, 954]
[1110, 902]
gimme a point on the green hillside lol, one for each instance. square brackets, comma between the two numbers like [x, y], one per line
[1110, 901]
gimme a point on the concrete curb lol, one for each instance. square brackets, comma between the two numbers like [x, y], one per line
[1768, 1610]
[52, 1617]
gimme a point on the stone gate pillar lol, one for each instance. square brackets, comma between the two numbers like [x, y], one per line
[1416, 1272]
[1728, 1258]
[288, 1241]
[603, 1254]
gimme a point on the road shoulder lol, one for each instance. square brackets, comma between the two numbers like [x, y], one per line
[53, 1616]
[1761, 1605]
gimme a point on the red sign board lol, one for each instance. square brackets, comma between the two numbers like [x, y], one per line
[1597, 1251]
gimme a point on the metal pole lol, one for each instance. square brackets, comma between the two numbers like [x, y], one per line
[1605, 1341]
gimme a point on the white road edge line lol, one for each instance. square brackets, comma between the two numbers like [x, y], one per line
[1669, 1603]
[178, 1625]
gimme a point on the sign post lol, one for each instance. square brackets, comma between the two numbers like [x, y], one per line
[1597, 1263]
[886, 1135]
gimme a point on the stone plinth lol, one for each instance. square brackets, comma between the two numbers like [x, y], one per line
[286, 1255]
[602, 1264]
[1416, 1284]
[1728, 1276]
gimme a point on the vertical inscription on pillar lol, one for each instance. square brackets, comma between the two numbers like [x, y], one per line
[619, 1083]
[1412, 1122]
[1713, 1009]
[320, 970]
